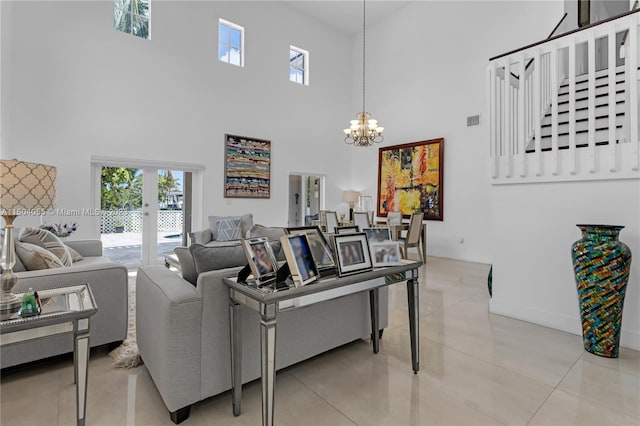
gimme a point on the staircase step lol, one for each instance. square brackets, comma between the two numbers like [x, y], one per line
[603, 119]
[601, 138]
[564, 91]
[581, 113]
[619, 97]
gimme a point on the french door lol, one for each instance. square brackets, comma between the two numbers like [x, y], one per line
[146, 209]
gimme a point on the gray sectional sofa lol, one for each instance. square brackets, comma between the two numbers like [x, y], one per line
[108, 282]
[183, 333]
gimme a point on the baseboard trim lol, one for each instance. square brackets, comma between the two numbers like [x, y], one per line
[568, 324]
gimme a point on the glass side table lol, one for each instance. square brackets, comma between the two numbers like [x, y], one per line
[64, 310]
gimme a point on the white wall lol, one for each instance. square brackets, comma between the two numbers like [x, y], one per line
[81, 89]
[534, 228]
[425, 75]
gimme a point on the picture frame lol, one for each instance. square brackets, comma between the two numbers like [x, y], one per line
[377, 235]
[297, 251]
[352, 253]
[320, 247]
[410, 179]
[247, 167]
[347, 229]
[386, 253]
[262, 261]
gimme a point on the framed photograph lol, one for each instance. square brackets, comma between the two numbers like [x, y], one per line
[377, 235]
[352, 253]
[247, 167]
[346, 229]
[261, 259]
[320, 248]
[297, 250]
[385, 253]
[410, 179]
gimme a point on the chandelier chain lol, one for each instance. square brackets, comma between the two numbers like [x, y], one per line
[364, 50]
[365, 130]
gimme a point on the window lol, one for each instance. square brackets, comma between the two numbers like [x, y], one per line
[230, 43]
[298, 65]
[132, 16]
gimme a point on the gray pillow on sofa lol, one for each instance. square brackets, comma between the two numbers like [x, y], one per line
[246, 221]
[212, 258]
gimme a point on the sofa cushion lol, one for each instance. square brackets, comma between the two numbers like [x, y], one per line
[187, 265]
[228, 229]
[246, 221]
[35, 257]
[213, 258]
[48, 241]
[75, 256]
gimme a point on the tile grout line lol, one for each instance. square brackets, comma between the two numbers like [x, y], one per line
[319, 396]
[555, 388]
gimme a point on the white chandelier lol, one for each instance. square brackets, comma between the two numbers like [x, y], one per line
[364, 131]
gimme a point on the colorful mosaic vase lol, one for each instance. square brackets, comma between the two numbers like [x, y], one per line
[601, 264]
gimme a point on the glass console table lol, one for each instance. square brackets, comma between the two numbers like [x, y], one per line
[268, 302]
[64, 310]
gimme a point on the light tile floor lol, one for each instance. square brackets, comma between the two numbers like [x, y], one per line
[476, 369]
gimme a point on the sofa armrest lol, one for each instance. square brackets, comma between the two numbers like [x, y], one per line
[202, 237]
[169, 323]
[86, 247]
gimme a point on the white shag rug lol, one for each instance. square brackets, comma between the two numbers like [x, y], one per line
[127, 355]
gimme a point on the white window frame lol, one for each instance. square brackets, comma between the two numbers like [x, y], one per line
[148, 19]
[236, 27]
[305, 69]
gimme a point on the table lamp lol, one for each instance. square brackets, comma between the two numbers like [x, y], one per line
[25, 189]
[351, 197]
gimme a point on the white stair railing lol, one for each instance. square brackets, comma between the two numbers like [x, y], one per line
[519, 97]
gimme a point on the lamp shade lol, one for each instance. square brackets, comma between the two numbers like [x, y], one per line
[351, 197]
[26, 186]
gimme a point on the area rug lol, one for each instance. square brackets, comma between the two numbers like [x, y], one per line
[127, 355]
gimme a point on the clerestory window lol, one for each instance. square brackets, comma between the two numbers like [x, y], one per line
[298, 65]
[132, 17]
[230, 43]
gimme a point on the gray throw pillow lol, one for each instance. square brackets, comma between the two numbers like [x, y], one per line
[35, 257]
[48, 241]
[246, 222]
[187, 266]
[213, 258]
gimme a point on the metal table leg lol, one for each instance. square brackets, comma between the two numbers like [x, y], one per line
[374, 308]
[268, 365]
[414, 314]
[81, 366]
[235, 325]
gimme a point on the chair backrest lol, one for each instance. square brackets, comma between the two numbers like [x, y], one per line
[331, 220]
[361, 219]
[415, 228]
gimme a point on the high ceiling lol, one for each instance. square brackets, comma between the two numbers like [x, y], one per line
[346, 15]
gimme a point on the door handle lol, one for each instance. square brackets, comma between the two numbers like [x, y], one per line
[146, 213]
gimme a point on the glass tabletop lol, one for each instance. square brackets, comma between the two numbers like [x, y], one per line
[63, 301]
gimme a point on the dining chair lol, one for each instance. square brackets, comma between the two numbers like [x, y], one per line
[413, 237]
[331, 220]
[361, 219]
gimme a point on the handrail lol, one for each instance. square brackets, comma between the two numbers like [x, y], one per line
[548, 37]
[626, 32]
[622, 15]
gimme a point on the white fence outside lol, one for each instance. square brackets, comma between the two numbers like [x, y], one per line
[168, 220]
[519, 96]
